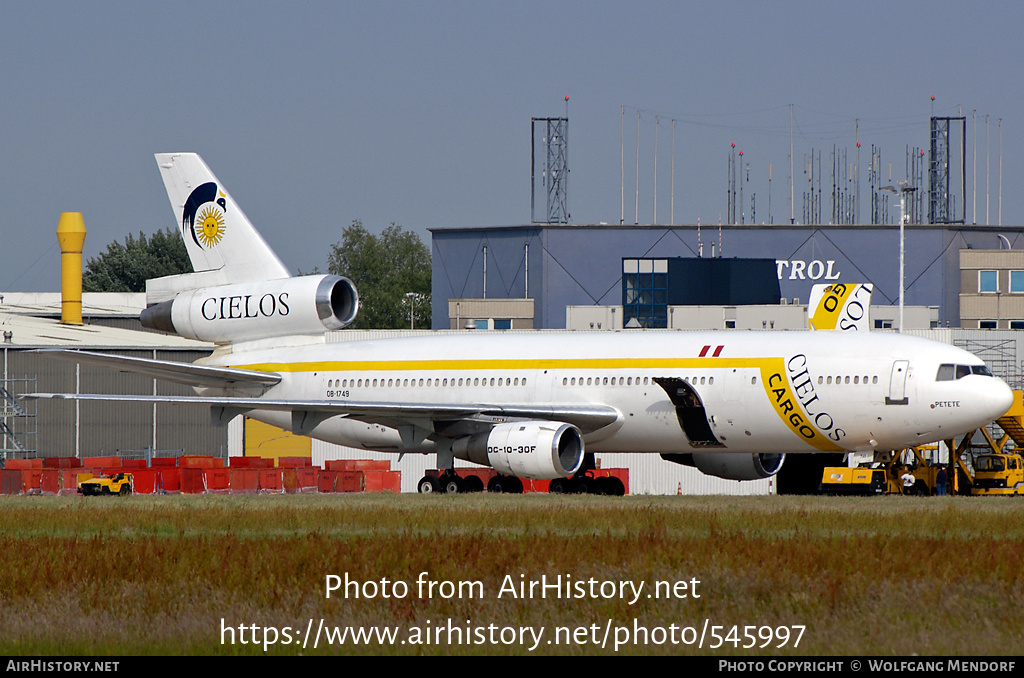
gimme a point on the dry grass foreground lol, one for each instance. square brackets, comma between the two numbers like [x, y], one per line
[156, 575]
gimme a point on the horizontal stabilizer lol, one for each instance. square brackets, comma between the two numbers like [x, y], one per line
[168, 370]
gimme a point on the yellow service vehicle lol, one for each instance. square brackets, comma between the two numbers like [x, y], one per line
[998, 474]
[856, 480]
[120, 483]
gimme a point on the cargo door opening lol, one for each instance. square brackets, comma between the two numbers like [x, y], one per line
[690, 412]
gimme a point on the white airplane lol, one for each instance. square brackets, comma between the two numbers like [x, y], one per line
[730, 403]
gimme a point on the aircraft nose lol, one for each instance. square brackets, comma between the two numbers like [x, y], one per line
[998, 399]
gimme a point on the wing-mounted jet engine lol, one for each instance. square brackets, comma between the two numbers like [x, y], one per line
[731, 465]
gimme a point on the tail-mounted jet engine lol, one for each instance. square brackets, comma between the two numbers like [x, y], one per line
[527, 449]
[245, 311]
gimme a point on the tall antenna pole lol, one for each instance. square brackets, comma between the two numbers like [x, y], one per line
[1000, 171]
[636, 208]
[987, 173]
[622, 165]
[526, 271]
[655, 169]
[741, 187]
[856, 181]
[974, 170]
[672, 193]
[792, 217]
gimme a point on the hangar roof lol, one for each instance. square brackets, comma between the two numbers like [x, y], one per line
[28, 331]
[47, 304]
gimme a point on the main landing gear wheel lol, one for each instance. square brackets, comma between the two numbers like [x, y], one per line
[428, 485]
[557, 486]
[507, 484]
[454, 484]
[611, 486]
[473, 484]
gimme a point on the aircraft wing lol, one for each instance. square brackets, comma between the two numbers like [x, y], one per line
[459, 418]
[169, 370]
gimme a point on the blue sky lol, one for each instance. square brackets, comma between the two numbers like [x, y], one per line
[317, 113]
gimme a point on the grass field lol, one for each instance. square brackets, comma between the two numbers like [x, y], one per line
[157, 575]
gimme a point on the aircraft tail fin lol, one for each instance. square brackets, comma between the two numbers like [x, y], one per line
[840, 306]
[240, 291]
[222, 244]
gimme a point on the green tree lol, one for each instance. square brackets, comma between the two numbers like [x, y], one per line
[385, 268]
[127, 267]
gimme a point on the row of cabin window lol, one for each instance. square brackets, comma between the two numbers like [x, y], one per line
[566, 381]
[847, 380]
[603, 381]
[373, 383]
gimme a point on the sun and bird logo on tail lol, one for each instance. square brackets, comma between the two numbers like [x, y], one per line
[203, 215]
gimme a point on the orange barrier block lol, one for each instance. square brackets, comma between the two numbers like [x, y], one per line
[32, 480]
[326, 481]
[170, 480]
[108, 462]
[383, 481]
[301, 479]
[197, 462]
[193, 480]
[10, 481]
[250, 462]
[67, 481]
[271, 480]
[62, 462]
[290, 480]
[306, 478]
[19, 464]
[349, 481]
[217, 480]
[357, 465]
[164, 462]
[50, 481]
[146, 481]
[244, 480]
[133, 463]
[293, 462]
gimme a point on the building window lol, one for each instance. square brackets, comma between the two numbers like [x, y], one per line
[883, 324]
[645, 292]
[987, 324]
[1017, 281]
[1017, 324]
[988, 281]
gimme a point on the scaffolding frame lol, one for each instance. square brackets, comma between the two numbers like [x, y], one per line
[19, 431]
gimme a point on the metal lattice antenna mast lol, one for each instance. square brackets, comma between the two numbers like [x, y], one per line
[555, 179]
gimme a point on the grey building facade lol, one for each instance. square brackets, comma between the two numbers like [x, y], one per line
[560, 265]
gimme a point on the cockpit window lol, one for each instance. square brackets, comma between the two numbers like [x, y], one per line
[952, 372]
